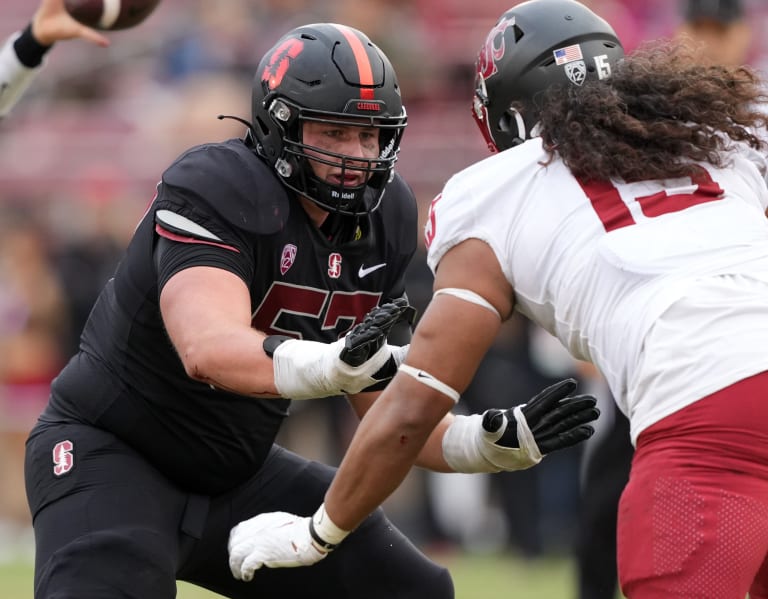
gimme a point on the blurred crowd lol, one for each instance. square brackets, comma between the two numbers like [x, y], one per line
[80, 157]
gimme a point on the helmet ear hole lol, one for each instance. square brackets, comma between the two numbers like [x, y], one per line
[512, 127]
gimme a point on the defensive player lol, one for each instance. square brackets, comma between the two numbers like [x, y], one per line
[254, 260]
[21, 57]
[626, 216]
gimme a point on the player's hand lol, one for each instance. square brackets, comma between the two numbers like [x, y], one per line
[52, 23]
[518, 438]
[359, 361]
[369, 336]
[274, 540]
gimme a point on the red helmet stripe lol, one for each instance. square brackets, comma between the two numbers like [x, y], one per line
[364, 68]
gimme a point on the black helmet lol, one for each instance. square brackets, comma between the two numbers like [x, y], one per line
[327, 73]
[533, 46]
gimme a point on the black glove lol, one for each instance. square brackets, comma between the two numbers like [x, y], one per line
[368, 336]
[556, 418]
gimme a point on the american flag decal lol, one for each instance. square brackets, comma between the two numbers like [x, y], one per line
[568, 54]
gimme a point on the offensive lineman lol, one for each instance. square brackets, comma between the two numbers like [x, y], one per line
[255, 257]
[627, 218]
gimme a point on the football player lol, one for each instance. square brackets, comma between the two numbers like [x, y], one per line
[21, 57]
[625, 214]
[266, 269]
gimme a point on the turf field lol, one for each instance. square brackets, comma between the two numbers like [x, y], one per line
[476, 577]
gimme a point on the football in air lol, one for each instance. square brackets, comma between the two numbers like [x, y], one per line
[110, 15]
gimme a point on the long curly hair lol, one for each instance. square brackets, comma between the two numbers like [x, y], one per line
[657, 112]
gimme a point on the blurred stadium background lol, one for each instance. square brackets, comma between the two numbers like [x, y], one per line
[79, 159]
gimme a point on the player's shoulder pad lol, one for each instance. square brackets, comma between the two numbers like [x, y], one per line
[230, 179]
[400, 213]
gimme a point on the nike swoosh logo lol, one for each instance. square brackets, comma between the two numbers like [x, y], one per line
[364, 272]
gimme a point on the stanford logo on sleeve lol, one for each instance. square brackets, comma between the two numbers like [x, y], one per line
[63, 458]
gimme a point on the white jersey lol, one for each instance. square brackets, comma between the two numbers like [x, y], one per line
[614, 270]
[15, 78]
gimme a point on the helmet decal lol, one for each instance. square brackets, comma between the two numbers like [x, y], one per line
[493, 49]
[576, 72]
[569, 54]
[280, 61]
[364, 69]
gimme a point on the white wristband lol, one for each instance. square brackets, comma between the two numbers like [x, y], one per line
[324, 532]
[461, 449]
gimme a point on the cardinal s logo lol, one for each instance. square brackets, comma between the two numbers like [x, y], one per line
[280, 61]
[63, 459]
[494, 48]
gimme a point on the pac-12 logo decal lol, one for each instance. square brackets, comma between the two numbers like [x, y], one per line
[280, 61]
[288, 257]
[334, 265]
[63, 458]
[494, 48]
[576, 72]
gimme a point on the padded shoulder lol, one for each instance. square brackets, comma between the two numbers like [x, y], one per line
[230, 179]
[400, 215]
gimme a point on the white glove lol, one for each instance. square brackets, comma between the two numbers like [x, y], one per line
[468, 447]
[309, 369]
[274, 540]
[281, 540]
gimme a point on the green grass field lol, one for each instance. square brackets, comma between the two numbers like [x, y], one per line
[476, 577]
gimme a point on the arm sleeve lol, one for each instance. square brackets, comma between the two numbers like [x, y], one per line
[20, 60]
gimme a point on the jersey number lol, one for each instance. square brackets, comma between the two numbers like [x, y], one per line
[614, 213]
[330, 308]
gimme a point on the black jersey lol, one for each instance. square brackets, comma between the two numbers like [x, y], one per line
[219, 205]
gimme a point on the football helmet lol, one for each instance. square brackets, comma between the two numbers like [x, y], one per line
[327, 73]
[533, 46]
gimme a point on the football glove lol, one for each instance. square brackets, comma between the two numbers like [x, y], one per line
[274, 540]
[518, 438]
[281, 540]
[359, 361]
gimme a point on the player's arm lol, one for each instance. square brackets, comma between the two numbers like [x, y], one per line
[21, 56]
[207, 314]
[410, 421]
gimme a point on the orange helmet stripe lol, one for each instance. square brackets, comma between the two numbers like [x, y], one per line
[364, 68]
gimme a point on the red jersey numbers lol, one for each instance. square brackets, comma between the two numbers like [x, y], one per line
[284, 302]
[63, 458]
[429, 227]
[614, 212]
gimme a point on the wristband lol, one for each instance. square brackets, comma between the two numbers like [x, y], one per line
[324, 532]
[29, 51]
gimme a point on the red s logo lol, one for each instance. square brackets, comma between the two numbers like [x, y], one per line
[280, 61]
[494, 48]
[334, 265]
[63, 459]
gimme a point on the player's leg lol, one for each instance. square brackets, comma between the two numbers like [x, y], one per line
[605, 476]
[759, 588]
[693, 520]
[105, 523]
[375, 561]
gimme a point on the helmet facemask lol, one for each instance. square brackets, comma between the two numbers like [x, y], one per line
[295, 168]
